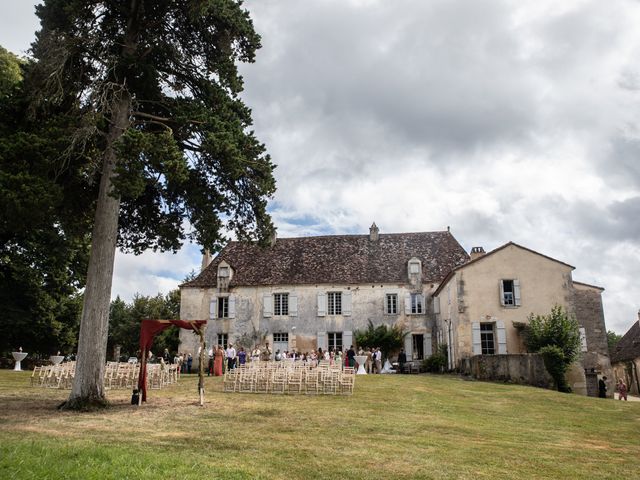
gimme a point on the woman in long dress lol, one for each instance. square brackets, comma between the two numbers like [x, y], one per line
[217, 362]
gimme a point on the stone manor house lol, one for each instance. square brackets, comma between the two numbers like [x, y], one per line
[309, 292]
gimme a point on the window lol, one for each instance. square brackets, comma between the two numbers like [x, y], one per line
[487, 339]
[418, 347]
[334, 303]
[223, 340]
[391, 304]
[414, 268]
[223, 272]
[510, 293]
[416, 303]
[281, 304]
[280, 337]
[223, 307]
[335, 341]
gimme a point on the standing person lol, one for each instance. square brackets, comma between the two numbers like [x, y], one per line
[602, 387]
[242, 356]
[166, 357]
[378, 360]
[337, 358]
[255, 354]
[351, 356]
[320, 354]
[231, 357]
[402, 359]
[218, 361]
[212, 353]
[368, 361]
[266, 353]
[189, 362]
[622, 390]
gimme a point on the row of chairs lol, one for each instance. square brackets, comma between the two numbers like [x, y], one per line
[54, 376]
[117, 375]
[304, 380]
[121, 375]
[162, 375]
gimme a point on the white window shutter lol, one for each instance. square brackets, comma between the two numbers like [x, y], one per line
[267, 305]
[322, 304]
[516, 292]
[427, 345]
[232, 306]
[583, 339]
[322, 340]
[293, 305]
[346, 303]
[213, 308]
[501, 293]
[436, 305]
[347, 339]
[475, 338]
[502, 338]
[407, 304]
[408, 346]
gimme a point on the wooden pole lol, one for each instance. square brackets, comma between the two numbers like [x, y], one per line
[201, 373]
[143, 367]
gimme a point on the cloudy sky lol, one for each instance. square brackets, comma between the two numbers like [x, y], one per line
[505, 120]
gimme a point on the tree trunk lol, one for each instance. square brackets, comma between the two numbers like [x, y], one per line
[88, 384]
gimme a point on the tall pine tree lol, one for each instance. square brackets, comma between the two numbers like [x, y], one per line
[164, 133]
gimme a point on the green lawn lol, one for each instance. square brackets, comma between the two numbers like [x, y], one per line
[418, 426]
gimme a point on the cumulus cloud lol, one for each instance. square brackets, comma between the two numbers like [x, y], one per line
[506, 120]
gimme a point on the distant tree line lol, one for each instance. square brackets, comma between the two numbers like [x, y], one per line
[125, 318]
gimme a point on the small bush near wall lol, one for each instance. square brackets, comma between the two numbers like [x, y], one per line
[437, 362]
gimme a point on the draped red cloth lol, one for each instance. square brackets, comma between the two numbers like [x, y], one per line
[148, 330]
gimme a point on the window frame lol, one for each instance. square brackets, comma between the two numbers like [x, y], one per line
[391, 304]
[334, 303]
[332, 341]
[415, 304]
[281, 337]
[281, 304]
[223, 340]
[488, 338]
[223, 307]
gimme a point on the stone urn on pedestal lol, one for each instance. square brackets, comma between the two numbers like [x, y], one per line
[18, 357]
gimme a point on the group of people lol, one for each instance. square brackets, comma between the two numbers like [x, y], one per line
[334, 357]
[620, 386]
[183, 360]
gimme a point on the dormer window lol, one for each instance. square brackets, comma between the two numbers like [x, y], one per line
[224, 275]
[414, 267]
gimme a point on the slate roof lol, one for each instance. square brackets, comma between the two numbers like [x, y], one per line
[339, 259]
[628, 347]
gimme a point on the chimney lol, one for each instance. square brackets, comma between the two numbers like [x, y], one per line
[206, 259]
[476, 252]
[273, 237]
[373, 232]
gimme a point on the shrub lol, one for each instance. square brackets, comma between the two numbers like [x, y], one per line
[555, 364]
[389, 339]
[437, 362]
[557, 338]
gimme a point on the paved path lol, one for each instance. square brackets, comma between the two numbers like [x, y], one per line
[629, 398]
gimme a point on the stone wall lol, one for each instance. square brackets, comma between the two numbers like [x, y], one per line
[526, 369]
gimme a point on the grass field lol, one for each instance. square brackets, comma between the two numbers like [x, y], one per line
[394, 426]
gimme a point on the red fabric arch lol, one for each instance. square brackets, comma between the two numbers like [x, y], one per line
[148, 330]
